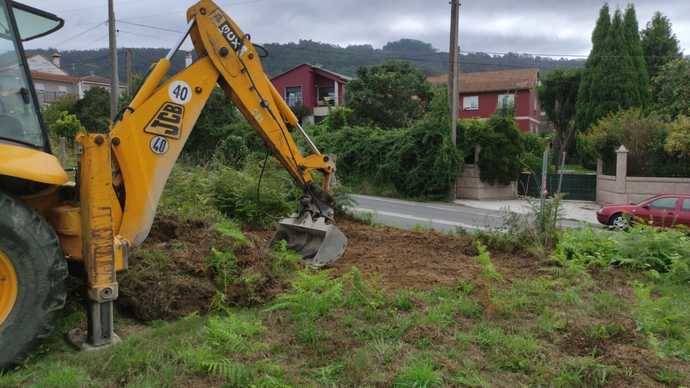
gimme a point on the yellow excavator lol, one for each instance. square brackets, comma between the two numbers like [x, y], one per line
[47, 221]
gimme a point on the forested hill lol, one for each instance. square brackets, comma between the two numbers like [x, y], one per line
[343, 60]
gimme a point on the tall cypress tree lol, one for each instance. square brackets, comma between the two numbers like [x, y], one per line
[614, 79]
[634, 46]
[584, 115]
[659, 44]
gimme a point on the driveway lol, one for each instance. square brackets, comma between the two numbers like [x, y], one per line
[439, 216]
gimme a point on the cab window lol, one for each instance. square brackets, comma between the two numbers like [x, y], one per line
[686, 205]
[18, 116]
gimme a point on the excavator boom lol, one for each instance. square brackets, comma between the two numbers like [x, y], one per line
[153, 129]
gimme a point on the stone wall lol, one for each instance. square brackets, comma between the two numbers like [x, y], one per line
[622, 189]
[469, 186]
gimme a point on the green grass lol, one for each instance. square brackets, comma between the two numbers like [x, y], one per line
[343, 330]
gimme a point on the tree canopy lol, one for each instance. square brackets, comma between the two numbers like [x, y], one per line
[391, 95]
[659, 44]
[615, 77]
[558, 97]
[671, 89]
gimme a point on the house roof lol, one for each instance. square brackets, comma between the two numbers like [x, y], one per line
[493, 81]
[39, 75]
[96, 79]
[325, 72]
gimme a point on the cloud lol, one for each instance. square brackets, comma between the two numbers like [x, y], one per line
[530, 26]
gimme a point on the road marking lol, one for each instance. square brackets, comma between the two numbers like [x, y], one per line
[431, 221]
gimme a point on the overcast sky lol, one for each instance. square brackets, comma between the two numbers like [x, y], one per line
[561, 27]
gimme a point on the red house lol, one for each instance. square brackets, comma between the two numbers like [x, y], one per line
[481, 94]
[312, 87]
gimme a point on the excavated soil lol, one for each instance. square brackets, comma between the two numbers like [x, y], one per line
[178, 281]
[407, 259]
[169, 276]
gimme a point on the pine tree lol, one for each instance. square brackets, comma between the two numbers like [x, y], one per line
[659, 44]
[634, 46]
[584, 116]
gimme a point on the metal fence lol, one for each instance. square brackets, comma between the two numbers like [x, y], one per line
[581, 187]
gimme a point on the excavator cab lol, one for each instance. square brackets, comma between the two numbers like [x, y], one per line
[20, 121]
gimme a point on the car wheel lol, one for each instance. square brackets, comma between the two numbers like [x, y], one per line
[620, 221]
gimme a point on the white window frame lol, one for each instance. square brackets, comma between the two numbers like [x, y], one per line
[287, 95]
[470, 103]
[503, 97]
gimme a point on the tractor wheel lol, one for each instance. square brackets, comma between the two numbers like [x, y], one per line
[32, 278]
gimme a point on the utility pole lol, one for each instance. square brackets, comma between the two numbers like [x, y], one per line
[454, 67]
[453, 84]
[114, 79]
[128, 69]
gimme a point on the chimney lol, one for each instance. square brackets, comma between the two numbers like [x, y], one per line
[188, 59]
[56, 59]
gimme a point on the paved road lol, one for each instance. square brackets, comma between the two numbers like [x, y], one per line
[439, 216]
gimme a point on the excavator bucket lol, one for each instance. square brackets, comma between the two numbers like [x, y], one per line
[318, 243]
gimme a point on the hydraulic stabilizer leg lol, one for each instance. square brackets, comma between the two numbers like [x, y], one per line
[98, 243]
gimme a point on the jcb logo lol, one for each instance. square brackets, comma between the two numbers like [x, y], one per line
[167, 122]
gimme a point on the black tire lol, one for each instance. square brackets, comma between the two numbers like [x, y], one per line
[34, 250]
[620, 221]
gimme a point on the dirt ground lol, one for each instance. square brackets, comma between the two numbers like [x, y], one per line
[407, 259]
[169, 276]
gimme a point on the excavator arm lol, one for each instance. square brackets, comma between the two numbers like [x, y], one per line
[154, 127]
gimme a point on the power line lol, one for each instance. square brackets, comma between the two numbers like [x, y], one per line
[179, 10]
[80, 34]
[150, 27]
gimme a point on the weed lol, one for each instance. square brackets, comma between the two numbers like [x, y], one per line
[484, 259]
[418, 373]
[231, 229]
[469, 376]
[233, 333]
[313, 296]
[670, 377]
[551, 320]
[607, 305]
[525, 296]
[285, 261]
[385, 350]
[403, 300]
[235, 374]
[665, 319]
[516, 353]
[224, 265]
[328, 375]
[603, 331]
[584, 372]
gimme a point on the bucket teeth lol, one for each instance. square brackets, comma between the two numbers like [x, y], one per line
[320, 244]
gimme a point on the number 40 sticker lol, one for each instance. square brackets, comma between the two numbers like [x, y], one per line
[180, 92]
[159, 145]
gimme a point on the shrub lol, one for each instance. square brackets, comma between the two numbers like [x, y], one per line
[502, 147]
[237, 195]
[66, 125]
[652, 151]
[425, 162]
[418, 161]
[232, 151]
[641, 248]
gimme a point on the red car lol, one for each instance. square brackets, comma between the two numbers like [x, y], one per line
[660, 210]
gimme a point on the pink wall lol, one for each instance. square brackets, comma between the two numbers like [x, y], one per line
[302, 76]
[525, 106]
[309, 80]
